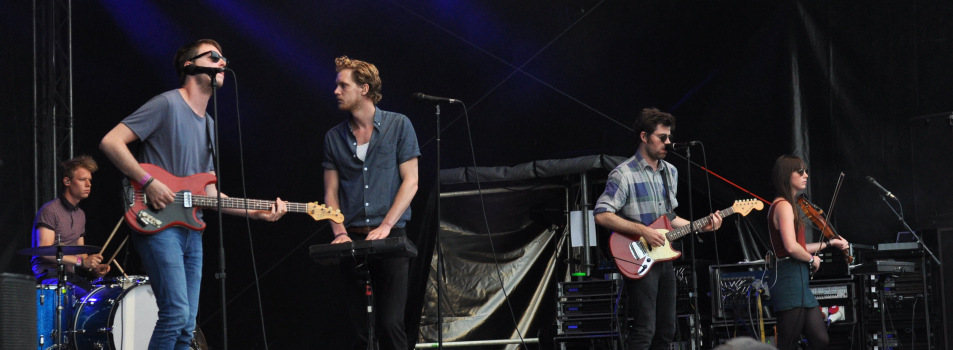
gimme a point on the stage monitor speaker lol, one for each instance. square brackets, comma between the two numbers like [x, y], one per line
[17, 311]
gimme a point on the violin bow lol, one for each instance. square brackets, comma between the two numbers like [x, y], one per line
[840, 181]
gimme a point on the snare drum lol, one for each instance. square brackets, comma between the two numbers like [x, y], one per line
[46, 313]
[113, 317]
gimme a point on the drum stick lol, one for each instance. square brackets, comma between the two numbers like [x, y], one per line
[120, 269]
[118, 249]
[111, 235]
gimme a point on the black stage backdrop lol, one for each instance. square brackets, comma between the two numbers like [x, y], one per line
[841, 83]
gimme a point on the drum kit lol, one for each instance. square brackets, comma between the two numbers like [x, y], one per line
[119, 313]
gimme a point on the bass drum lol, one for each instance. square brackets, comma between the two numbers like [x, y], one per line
[113, 317]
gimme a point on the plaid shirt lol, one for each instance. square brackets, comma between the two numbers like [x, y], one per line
[635, 192]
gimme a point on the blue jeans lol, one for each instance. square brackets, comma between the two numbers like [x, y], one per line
[173, 260]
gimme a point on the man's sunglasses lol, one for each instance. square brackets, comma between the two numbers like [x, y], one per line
[664, 137]
[215, 56]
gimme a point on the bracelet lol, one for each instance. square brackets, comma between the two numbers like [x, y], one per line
[148, 182]
[340, 234]
[145, 179]
[79, 261]
[812, 261]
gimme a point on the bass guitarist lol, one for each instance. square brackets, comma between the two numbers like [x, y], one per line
[638, 192]
[176, 134]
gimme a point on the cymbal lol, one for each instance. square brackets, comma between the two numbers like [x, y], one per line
[50, 250]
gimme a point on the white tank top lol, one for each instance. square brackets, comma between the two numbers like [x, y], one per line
[362, 151]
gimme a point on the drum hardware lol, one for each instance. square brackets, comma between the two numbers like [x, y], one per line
[59, 251]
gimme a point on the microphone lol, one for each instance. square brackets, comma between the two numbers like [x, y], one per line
[194, 70]
[881, 188]
[422, 97]
[683, 145]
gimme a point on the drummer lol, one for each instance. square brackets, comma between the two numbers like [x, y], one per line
[62, 217]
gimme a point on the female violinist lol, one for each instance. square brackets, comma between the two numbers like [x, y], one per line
[794, 304]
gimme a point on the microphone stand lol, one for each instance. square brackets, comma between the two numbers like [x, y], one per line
[220, 275]
[437, 238]
[914, 233]
[696, 322]
[60, 295]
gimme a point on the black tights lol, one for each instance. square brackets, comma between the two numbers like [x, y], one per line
[808, 321]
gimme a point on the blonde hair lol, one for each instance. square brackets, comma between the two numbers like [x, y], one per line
[83, 161]
[362, 73]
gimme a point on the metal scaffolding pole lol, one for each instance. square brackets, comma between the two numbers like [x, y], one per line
[52, 94]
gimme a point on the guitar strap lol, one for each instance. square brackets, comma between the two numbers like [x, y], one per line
[208, 137]
[666, 190]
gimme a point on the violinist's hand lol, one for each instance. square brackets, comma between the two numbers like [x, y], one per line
[816, 265]
[839, 243]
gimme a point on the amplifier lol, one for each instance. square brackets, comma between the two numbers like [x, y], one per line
[597, 307]
[730, 287]
[17, 311]
[876, 267]
[587, 289]
[836, 299]
[587, 325]
[830, 292]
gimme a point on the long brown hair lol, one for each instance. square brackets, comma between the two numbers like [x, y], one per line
[784, 166]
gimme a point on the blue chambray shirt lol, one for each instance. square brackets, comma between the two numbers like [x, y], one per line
[635, 192]
[368, 188]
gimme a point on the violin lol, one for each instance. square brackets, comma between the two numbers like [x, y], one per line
[816, 215]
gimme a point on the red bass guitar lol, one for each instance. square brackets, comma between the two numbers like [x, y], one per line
[190, 197]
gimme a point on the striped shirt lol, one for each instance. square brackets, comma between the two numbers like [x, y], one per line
[635, 192]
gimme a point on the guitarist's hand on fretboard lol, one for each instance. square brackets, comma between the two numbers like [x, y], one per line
[158, 194]
[714, 222]
[277, 211]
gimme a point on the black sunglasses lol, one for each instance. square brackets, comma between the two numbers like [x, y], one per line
[801, 171]
[215, 56]
[664, 137]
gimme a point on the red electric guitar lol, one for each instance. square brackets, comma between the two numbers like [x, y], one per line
[634, 258]
[190, 197]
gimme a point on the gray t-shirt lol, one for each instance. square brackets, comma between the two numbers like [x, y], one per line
[173, 137]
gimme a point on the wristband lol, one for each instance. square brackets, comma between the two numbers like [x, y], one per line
[812, 261]
[148, 182]
[340, 234]
[145, 179]
[79, 261]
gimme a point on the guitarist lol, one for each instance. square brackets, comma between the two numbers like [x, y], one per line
[176, 134]
[639, 191]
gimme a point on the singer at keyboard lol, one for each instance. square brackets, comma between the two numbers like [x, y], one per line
[370, 172]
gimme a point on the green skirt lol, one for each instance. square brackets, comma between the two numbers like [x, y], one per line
[789, 285]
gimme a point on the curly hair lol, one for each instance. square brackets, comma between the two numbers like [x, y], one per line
[651, 118]
[362, 73]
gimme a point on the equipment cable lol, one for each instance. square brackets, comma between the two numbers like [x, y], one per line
[489, 234]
